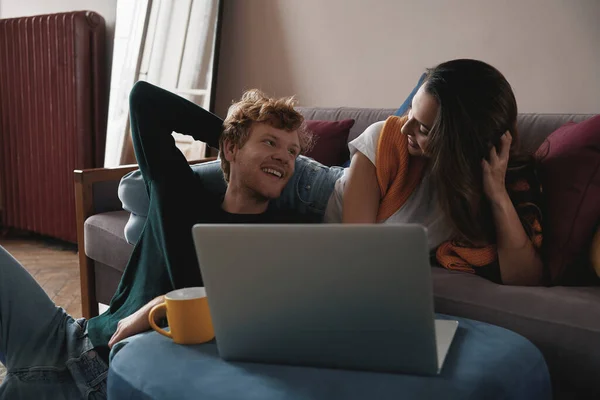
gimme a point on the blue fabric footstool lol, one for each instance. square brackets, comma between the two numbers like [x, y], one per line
[484, 362]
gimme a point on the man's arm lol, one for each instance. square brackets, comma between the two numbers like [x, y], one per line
[137, 322]
[155, 114]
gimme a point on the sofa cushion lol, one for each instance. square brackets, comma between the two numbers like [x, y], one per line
[570, 175]
[559, 320]
[595, 253]
[105, 240]
[534, 128]
[363, 117]
[331, 141]
[133, 194]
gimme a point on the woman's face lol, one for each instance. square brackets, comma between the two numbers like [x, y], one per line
[421, 117]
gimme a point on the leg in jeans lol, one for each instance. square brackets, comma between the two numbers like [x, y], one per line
[310, 188]
[34, 338]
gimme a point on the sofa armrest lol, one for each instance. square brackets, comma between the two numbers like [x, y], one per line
[96, 192]
[85, 181]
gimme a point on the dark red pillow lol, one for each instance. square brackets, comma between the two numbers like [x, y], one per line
[570, 176]
[331, 141]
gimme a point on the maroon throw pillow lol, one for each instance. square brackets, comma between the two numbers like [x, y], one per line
[331, 141]
[570, 175]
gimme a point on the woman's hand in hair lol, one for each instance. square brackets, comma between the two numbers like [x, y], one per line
[520, 264]
[494, 170]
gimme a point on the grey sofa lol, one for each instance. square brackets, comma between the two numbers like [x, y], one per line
[564, 322]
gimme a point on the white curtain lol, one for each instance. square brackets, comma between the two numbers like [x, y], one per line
[170, 43]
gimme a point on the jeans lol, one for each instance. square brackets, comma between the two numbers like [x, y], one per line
[46, 352]
[310, 188]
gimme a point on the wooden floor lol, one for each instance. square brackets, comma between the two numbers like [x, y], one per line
[54, 265]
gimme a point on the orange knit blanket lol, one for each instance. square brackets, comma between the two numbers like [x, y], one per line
[398, 174]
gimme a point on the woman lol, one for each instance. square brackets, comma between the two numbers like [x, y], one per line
[452, 165]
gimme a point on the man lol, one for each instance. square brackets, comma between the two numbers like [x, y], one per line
[48, 354]
[259, 144]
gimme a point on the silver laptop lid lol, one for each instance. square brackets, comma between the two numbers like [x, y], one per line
[351, 296]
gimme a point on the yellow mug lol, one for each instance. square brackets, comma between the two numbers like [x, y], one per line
[188, 316]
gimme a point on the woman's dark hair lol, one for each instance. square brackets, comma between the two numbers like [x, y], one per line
[476, 107]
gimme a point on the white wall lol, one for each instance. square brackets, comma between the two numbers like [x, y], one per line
[370, 53]
[106, 8]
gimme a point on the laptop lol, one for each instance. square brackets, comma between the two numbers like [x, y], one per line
[325, 295]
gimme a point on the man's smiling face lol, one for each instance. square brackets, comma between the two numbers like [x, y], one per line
[263, 165]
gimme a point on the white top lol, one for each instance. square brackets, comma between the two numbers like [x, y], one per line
[420, 208]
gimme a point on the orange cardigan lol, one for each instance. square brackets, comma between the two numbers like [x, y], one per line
[398, 174]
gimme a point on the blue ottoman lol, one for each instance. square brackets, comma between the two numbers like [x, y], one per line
[484, 362]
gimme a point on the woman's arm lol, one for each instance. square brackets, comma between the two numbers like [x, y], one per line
[361, 194]
[520, 263]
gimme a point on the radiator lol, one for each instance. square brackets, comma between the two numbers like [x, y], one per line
[53, 109]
